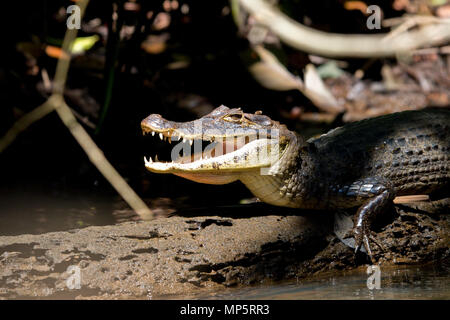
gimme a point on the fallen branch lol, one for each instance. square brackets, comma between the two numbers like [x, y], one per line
[56, 102]
[340, 45]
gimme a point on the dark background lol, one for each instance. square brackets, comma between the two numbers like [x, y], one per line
[46, 162]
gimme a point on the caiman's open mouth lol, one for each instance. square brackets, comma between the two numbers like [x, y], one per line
[218, 147]
[205, 151]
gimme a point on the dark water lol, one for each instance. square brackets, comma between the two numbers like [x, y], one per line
[403, 282]
[37, 212]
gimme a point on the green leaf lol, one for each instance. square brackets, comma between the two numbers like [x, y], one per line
[436, 3]
[329, 70]
[82, 44]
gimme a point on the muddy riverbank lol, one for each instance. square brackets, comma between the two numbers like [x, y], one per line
[187, 255]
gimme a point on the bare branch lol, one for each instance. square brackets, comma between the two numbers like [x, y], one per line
[56, 102]
[339, 45]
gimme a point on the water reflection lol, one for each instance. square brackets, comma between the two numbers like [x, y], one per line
[402, 282]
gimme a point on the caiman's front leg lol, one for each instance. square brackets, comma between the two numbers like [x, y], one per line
[378, 195]
[364, 217]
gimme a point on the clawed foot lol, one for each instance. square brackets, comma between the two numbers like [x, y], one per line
[362, 236]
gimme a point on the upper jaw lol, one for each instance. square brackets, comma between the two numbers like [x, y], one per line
[169, 135]
[169, 132]
[208, 128]
[200, 132]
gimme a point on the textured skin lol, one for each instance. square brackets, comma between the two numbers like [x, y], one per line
[405, 153]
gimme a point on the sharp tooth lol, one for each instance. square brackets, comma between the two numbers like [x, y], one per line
[170, 139]
[145, 160]
[184, 140]
[161, 136]
[156, 158]
[150, 159]
[190, 142]
[153, 133]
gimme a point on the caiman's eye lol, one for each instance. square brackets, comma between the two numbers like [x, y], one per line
[233, 117]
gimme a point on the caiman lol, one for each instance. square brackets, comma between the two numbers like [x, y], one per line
[364, 164]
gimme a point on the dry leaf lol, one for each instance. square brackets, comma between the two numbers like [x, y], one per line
[55, 52]
[155, 44]
[270, 73]
[356, 5]
[318, 93]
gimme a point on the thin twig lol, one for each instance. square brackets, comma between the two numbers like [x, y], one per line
[85, 120]
[24, 122]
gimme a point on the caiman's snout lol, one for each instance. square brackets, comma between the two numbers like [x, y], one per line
[152, 121]
[156, 123]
